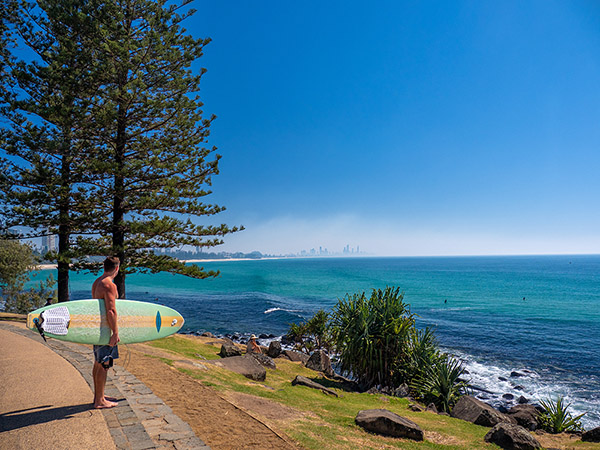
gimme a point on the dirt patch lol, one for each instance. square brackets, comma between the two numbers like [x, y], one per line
[263, 407]
[442, 439]
[215, 420]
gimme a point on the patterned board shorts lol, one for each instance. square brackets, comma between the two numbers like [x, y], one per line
[105, 354]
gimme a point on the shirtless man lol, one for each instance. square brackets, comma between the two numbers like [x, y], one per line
[104, 289]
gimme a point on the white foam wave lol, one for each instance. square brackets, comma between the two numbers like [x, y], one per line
[270, 310]
[495, 385]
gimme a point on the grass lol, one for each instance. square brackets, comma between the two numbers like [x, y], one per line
[326, 422]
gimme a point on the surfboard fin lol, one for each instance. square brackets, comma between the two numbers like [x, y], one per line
[38, 325]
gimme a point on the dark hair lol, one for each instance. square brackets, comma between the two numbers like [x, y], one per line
[111, 263]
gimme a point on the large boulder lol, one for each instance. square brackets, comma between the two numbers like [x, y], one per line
[592, 435]
[472, 410]
[387, 423]
[296, 356]
[264, 360]
[320, 362]
[274, 349]
[244, 365]
[303, 381]
[512, 437]
[228, 350]
[526, 415]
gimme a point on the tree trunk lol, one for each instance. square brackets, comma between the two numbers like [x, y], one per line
[63, 259]
[118, 233]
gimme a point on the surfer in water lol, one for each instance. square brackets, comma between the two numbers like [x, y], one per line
[105, 289]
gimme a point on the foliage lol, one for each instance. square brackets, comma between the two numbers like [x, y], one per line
[104, 142]
[440, 383]
[371, 336]
[422, 353]
[46, 104]
[17, 262]
[556, 418]
[313, 334]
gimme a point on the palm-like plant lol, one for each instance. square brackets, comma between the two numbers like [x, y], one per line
[371, 335]
[440, 383]
[556, 418]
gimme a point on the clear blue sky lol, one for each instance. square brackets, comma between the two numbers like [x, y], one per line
[408, 128]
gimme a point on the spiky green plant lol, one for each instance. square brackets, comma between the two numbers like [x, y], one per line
[441, 383]
[556, 418]
[421, 354]
[371, 336]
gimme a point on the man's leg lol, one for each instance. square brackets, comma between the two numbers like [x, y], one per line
[99, 374]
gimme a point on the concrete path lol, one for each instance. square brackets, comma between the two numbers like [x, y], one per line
[45, 401]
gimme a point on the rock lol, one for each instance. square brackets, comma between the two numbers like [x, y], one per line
[515, 374]
[415, 408]
[512, 437]
[347, 384]
[208, 334]
[432, 408]
[384, 422]
[472, 410]
[508, 396]
[373, 391]
[518, 387]
[402, 391]
[245, 365]
[592, 435]
[303, 381]
[286, 340]
[274, 349]
[264, 360]
[503, 379]
[263, 336]
[228, 350]
[320, 362]
[296, 356]
[522, 400]
[503, 409]
[526, 415]
[443, 413]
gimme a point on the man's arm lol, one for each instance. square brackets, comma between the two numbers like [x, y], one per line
[110, 301]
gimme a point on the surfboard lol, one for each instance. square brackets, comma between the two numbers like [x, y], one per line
[84, 321]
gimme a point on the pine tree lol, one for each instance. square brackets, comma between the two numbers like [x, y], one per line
[46, 98]
[153, 135]
[128, 167]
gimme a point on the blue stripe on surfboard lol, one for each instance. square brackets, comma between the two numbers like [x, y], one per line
[158, 321]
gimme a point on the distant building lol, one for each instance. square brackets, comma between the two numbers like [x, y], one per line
[49, 242]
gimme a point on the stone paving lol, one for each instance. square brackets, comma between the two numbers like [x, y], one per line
[141, 420]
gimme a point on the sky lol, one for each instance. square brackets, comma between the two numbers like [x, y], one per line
[405, 128]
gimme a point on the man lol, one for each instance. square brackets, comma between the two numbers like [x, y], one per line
[105, 289]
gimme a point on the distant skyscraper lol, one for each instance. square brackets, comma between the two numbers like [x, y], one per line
[49, 242]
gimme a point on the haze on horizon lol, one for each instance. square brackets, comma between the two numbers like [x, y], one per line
[458, 128]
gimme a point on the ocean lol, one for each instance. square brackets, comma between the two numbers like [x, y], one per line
[535, 315]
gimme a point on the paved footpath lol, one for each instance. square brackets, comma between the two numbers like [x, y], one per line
[140, 421]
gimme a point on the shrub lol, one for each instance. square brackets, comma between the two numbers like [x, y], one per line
[371, 336]
[313, 334]
[556, 418]
[17, 263]
[440, 383]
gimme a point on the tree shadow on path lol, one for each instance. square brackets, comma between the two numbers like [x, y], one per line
[14, 420]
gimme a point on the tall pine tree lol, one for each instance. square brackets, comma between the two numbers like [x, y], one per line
[130, 169]
[45, 185]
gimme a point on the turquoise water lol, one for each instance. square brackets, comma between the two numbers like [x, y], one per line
[476, 305]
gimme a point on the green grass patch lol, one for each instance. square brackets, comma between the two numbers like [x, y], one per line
[186, 347]
[328, 422]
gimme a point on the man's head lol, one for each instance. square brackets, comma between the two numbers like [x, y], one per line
[110, 264]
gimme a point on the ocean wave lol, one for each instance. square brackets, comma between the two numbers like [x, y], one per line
[270, 310]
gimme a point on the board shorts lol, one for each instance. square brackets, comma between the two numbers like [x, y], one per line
[105, 355]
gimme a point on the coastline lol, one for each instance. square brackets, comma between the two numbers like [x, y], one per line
[186, 261]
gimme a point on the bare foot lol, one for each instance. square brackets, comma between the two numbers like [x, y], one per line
[105, 404]
[110, 399]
